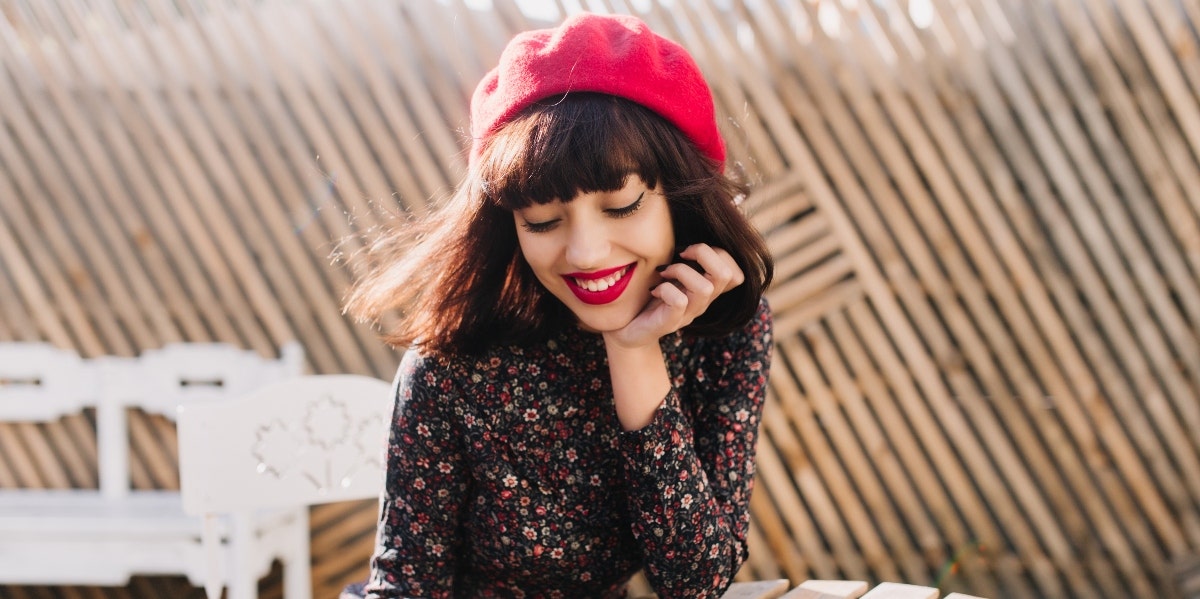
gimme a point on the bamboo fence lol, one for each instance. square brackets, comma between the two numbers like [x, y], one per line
[987, 366]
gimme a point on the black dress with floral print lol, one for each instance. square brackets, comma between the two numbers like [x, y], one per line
[509, 475]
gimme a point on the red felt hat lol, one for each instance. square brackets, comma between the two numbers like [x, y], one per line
[611, 54]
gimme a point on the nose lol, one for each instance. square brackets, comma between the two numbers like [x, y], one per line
[587, 246]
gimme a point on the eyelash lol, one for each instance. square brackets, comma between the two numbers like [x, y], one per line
[539, 227]
[621, 212]
[624, 211]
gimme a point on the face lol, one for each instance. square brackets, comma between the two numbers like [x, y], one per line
[597, 253]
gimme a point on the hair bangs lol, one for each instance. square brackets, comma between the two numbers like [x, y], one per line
[555, 150]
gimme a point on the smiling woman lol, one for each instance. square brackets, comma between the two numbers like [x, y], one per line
[590, 343]
[587, 252]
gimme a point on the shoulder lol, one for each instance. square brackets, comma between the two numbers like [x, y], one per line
[746, 348]
[461, 373]
[755, 336]
[763, 321]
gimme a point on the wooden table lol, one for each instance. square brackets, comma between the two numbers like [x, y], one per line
[833, 589]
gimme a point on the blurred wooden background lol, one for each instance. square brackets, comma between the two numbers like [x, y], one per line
[988, 362]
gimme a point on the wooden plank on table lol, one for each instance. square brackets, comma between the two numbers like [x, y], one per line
[895, 590]
[828, 589]
[763, 589]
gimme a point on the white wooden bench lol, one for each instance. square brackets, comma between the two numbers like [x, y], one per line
[103, 536]
[292, 444]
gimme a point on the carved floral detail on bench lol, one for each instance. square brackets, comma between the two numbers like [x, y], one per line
[328, 428]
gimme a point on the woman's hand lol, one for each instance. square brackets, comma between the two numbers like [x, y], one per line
[684, 295]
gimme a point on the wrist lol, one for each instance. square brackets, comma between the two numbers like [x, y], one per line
[640, 382]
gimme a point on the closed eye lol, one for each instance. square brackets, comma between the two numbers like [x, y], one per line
[624, 211]
[541, 227]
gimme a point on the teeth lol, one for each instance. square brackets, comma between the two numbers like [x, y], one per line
[602, 284]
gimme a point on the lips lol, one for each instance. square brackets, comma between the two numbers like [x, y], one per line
[602, 286]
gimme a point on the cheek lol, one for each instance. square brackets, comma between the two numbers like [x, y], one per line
[657, 234]
[536, 251]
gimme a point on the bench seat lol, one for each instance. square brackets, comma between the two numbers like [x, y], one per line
[83, 538]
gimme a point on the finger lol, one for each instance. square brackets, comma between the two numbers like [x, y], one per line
[671, 295]
[718, 265]
[693, 283]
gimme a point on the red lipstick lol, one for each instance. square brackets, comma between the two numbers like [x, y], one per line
[607, 285]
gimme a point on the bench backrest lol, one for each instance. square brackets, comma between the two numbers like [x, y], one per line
[303, 441]
[39, 382]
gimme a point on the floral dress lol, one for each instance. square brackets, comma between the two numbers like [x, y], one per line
[509, 475]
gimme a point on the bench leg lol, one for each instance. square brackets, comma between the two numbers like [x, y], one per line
[243, 583]
[297, 571]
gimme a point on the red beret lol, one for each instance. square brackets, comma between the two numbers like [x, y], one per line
[611, 54]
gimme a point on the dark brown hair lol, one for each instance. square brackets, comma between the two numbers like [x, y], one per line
[457, 277]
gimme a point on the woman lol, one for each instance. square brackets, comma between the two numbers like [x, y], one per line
[589, 342]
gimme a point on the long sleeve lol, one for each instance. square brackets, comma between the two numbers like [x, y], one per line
[418, 536]
[690, 472]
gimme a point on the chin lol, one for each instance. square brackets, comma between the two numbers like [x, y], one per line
[602, 323]
[604, 319]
